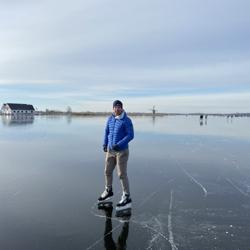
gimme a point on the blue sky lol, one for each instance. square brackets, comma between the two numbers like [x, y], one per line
[181, 56]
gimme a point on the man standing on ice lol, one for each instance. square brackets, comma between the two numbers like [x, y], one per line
[118, 133]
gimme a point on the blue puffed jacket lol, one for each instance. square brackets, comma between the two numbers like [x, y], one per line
[118, 131]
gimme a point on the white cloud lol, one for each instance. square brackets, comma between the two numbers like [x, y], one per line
[207, 103]
[103, 49]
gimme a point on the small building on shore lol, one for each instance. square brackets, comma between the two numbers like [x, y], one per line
[17, 109]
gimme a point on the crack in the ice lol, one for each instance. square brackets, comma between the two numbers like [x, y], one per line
[195, 181]
[143, 225]
[170, 230]
[191, 177]
[237, 188]
[158, 227]
[99, 240]
[153, 194]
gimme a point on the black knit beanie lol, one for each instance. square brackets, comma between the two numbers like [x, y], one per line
[117, 103]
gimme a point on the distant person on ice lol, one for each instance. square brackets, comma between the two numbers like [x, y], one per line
[118, 133]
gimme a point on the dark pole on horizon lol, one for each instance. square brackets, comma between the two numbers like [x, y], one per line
[153, 110]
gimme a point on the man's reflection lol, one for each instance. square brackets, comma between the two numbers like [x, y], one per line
[153, 120]
[69, 118]
[109, 243]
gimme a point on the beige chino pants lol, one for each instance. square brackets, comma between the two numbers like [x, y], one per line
[119, 159]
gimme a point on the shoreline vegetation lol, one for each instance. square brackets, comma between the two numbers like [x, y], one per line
[89, 113]
[158, 114]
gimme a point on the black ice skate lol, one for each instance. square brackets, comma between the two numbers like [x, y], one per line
[106, 196]
[125, 203]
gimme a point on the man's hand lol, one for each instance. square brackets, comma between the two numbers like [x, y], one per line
[116, 147]
[105, 148]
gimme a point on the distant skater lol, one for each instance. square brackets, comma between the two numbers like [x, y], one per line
[118, 133]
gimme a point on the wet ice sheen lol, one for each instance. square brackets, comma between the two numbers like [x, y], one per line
[190, 184]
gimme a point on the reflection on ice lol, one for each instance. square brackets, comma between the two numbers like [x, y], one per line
[190, 184]
[10, 120]
[109, 242]
[193, 125]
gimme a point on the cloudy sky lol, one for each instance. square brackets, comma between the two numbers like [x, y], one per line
[179, 55]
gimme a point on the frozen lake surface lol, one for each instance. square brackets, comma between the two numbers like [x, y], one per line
[190, 184]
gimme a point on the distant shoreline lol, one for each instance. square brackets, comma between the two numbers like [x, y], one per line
[89, 113]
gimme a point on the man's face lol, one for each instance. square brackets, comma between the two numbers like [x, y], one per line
[117, 110]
